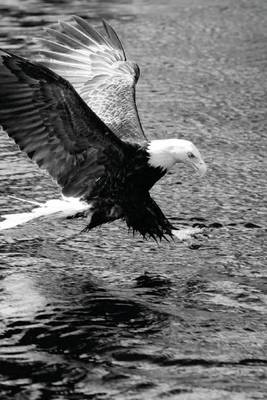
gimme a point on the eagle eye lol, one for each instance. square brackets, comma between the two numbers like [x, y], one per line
[191, 155]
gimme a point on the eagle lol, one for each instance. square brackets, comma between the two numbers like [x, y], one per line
[73, 112]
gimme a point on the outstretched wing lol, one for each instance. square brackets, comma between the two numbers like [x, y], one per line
[96, 66]
[52, 124]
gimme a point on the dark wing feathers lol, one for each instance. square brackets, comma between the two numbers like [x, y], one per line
[52, 124]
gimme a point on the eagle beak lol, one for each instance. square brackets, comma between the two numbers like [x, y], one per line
[200, 166]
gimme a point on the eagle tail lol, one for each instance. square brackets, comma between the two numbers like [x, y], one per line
[66, 207]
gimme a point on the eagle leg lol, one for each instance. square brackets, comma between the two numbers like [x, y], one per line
[103, 211]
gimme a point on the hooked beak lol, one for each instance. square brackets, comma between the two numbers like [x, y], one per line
[200, 166]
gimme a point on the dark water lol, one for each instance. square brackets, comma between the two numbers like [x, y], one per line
[108, 316]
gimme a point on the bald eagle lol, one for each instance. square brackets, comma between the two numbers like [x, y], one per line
[73, 112]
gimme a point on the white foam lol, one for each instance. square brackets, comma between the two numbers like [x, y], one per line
[186, 233]
[65, 207]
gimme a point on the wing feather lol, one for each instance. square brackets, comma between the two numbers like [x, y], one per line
[90, 32]
[52, 124]
[114, 39]
[96, 65]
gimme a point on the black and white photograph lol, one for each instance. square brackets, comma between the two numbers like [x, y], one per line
[133, 200]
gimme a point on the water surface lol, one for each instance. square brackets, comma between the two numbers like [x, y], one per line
[109, 316]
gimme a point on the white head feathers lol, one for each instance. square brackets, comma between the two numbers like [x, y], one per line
[165, 153]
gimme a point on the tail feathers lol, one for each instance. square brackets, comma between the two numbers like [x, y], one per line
[63, 208]
[37, 203]
[12, 220]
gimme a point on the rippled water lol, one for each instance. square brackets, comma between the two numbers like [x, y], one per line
[108, 316]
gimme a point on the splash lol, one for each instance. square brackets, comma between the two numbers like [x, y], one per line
[186, 233]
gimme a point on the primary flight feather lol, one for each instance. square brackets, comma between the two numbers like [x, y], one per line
[98, 69]
[74, 113]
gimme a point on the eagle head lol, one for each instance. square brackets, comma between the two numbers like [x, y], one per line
[165, 153]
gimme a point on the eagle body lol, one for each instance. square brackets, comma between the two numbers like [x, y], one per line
[125, 194]
[73, 112]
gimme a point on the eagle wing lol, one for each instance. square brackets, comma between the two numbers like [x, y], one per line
[96, 66]
[54, 126]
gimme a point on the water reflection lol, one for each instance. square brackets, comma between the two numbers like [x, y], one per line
[20, 299]
[52, 320]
